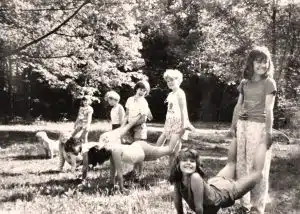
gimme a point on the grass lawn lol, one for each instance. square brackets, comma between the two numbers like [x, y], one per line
[30, 184]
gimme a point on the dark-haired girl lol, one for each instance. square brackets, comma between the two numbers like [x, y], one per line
[207, 197]
[137, 107]
[253, 120]
[84, 119]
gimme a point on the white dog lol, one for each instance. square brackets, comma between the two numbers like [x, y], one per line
[51, 147]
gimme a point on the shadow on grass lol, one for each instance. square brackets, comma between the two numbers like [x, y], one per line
[28, 157]
[9, 174]
[27, 196]
[284, 184]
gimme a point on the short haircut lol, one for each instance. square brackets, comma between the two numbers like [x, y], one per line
[143, 85]
[112, 94]
[174, 74]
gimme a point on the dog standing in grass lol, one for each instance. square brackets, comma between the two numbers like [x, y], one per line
[57, 147]
[51, 147]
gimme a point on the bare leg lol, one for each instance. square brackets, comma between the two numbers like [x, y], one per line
[153, 152]
[116, 155]
[174, 153]
[85, 134]
[76, 131]
[229, 170]
[174, 140]
[121, 131]
[161, 139]
[245, 184]
[61, 156]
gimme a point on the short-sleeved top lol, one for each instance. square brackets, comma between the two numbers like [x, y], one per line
[117, 114]
[83, 114]
[136, 106]
[254, 98]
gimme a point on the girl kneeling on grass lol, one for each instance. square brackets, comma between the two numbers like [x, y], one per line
[207, 197]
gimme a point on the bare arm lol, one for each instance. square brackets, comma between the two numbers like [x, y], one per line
[125, 120]
[121, 115]
[89, 119]
[197, 186]
[235, 115]
[178, 200]
[269, 105]
[117, 162]
[183, 109]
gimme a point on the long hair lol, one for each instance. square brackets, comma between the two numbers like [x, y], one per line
[176, 174]
[259, 53]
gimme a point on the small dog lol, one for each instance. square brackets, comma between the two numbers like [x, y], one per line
[51, 147]
[95, 155]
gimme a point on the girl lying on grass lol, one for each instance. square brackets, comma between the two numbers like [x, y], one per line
[207, 197]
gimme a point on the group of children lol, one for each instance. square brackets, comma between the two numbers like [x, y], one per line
[249, 154]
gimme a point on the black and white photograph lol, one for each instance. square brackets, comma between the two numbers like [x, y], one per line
[150, 106]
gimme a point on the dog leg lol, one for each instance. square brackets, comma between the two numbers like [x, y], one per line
[61, 157]
[85, 164]
[112, 172]
[116, 155]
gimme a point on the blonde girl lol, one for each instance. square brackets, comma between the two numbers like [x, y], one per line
[253, 120]
[117, 112]
[84, 119]
[177, 115]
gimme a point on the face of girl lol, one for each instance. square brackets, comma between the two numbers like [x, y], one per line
[141, 92]
[187, 166]
[85, 103]
[260, 66]
[172, 82]
[112, 101]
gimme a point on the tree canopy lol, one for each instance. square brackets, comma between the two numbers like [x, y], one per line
[92, 46]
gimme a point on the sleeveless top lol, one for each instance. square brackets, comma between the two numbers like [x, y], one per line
[173, 123]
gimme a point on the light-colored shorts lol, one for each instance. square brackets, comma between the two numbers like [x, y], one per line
[223, 191]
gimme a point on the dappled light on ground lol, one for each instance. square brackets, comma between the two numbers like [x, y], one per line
[29, 183]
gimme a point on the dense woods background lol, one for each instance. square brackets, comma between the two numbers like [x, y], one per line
[52, 52]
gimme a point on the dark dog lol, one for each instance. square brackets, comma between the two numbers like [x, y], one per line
[98, 156]
[95, 155]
